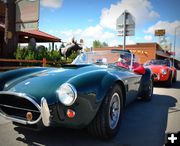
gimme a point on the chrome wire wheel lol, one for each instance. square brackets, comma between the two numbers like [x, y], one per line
[114, 110]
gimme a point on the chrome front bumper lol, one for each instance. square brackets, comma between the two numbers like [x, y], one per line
[45, 113]
[43, 109]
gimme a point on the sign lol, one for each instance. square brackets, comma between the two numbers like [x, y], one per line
[9, 35]
[160, 32]
[165, 43]
[129, 24]
[26, 26]
[27, 14]
[125, 25]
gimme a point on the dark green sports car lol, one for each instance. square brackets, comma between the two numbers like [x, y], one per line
[91, 92]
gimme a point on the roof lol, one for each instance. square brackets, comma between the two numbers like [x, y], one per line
[132, 46]
[40, 36]
[162, 54]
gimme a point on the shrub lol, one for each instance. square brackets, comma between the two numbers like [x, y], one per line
[27, 53]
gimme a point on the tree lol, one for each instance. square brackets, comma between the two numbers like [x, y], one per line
[98, 44]
[104, 44]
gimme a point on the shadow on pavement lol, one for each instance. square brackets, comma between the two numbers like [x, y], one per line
[144, 123]
[175, 85]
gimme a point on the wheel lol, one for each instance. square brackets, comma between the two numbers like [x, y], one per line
[169, 81]
[106, 123]
[148, 92]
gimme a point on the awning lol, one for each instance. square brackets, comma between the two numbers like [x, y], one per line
[40, 36]
[162, 54]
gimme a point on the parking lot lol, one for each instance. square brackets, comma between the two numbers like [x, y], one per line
[144, 123]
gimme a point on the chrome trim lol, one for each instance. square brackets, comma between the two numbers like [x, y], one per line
[45, 113]
[158, 76]
[74, 91]
[21, 121]
[25, 109]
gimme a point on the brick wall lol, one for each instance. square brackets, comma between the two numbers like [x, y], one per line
[143, 51]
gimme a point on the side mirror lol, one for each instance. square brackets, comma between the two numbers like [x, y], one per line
[139, 70]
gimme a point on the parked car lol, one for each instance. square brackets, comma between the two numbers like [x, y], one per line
[89, 93]
[163, 71]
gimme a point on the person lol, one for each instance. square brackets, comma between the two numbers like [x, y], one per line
[125, 62]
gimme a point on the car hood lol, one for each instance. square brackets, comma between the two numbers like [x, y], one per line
[157, 68]
[45, 83]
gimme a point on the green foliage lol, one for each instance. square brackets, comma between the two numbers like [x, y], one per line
[98, 44]
[41, 52]
[72, 57]
[104, 44]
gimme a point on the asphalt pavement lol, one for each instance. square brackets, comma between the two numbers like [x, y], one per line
[143, 124]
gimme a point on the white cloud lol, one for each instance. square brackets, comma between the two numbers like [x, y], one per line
[114, 43]
[130, 41]
[52, 3]
[168, 26]
[97, 32]
[148, 38]
[89, 34]
[142, 10]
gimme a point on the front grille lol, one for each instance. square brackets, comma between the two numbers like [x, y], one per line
[17, 105]
[155, 75]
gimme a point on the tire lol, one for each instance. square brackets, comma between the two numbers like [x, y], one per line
[146, 95]
[175, 77]
[168, 83]
[106, 123]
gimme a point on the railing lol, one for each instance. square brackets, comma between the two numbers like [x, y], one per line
[44, 63]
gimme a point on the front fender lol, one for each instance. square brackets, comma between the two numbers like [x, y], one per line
[96, 82]
[91, 87]
[144, 80]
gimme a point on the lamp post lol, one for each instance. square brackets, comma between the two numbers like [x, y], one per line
[175, 42]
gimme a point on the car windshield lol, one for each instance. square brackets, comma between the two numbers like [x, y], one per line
[158, 62]
[106, 58]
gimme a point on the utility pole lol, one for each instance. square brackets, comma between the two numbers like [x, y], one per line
[10, 36]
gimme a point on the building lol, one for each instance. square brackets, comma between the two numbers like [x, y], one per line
[24, 36]
[143, 51]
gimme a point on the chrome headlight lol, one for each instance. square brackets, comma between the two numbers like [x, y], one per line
[67, 94]
[163, 71]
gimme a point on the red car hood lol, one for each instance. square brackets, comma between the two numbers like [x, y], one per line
[157, 68]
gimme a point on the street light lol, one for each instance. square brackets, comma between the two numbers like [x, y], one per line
[175, 42]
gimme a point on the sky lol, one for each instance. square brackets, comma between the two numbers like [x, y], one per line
[96, 20]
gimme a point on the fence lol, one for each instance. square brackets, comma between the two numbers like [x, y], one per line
[44, 63]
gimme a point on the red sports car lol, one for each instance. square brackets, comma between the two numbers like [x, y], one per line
[163, 71]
